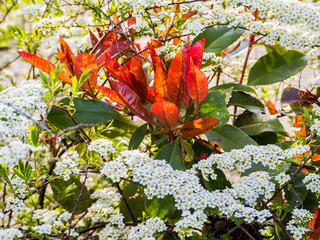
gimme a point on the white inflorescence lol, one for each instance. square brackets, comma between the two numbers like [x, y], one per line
[15, 151]
[68, 165]
[24, 99]
[312, 182]
[282, 178]
[147, 229]
[10, 234]
[102, 146]
[297, 225]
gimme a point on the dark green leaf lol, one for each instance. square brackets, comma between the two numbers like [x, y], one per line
[214, 106]
[172, 153]
[246, 101]
[235, 87]
[273, 67]
[67, 196]
[161, 207]
[229, 137]
[218, 38]
[256, 123]
[87, 112]
[135, 201]
[297, 193]
[138, 136]
[220, 183]
[266, 138]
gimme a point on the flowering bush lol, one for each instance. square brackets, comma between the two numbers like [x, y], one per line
[159, 119]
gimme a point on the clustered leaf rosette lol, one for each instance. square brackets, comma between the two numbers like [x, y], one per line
[184, 82]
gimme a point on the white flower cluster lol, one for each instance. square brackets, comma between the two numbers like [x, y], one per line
[168, 50]
[34, 9]
[147, 229]
[160, 180]
[15, 151]
[114, 170]
[104, 211]
[194, 220]
[297, 225]
[250, 188]
[282, 178]
[68, 165]
[51, 221]
[26, 99]
[102, 146]
[10, 234]
[194, 27]
[312, 182]
[16, 205]
[243, 158]
[211, 58]
[315, 127]
[19, 186]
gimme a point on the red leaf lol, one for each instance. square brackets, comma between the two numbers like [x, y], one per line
[111, 94]
[195, 52]
[151, 95]
[108, 41]
[188, 15]
[160, 84]
[175, 80]
[114, 69]
[200, 126]
[156, 43]
[166, 112]
[197, 85]
[94, 40]
[63, 59]
[132, 101]
[70, 58]
[138, 80]
[84, 62]
[119, 48]
[44, 65]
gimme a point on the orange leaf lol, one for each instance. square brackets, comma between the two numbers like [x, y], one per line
[160, 84]
[84, 62]
[197, 85]
[151, 95]
[175, 80]
[138, 79]
[296, 124]
[200, 126]
[316, 157]
[44, 65]
[111, 94]
[188, 15]
[156, 43]
[315, 224]
[166, 112]
[94, 40]
[175, 41]
[132, 101]
[63, 59]
[70, 58]
[271, 108]
[108, 41]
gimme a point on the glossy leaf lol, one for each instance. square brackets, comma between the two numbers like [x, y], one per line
[69, 56]
[161, 207]
[138, 80]
[197, 127]
[160, 84]
[44, 65]
[229, 137]
[86, 112]
[291, 95]
[298, 192]
[234, 87]
[172, 154]
[218, 38]
[197, 85]
[111, 94]
[84, 62]
[166, 112]
[246, 101]
[256, 123]
[188, 15]
[137, 137]
[175, 80]
[214, 106]
[63, 59]
[108, 41]
[195, 53]
[94, 40]
[132, 101]
[272, 68]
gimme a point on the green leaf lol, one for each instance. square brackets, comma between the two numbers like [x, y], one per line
[138, 136]
[214, 106]
[297, 193]
[161, 207]
[218, 38]
[266, 138]
[229, 137]
[188, 152]
[172, 153]
[67, 193]
[273, 67]
[135, 201]
[86, 112]
[246, 101]
[255, 123]
[235, 87]
[219, 184]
